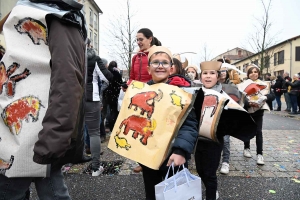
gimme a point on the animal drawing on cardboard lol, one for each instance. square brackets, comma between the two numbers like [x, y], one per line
[8, 81]
[138, 85]
[209, 101]
[176, 100]
[6, 165]
[122, 142]
[145, 101]
[20, 110]
[253, 91]
[35, 29]
[140, 126]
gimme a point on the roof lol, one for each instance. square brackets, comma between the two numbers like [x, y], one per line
[96, 6]
[288, 40]
[229, 51]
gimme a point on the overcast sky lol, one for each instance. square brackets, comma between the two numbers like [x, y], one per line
[188, 25]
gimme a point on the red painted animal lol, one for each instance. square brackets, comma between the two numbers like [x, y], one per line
[145, 101]
[209, 101]
[20, 110]
[140, 126]
[254, 88]
[35, 29]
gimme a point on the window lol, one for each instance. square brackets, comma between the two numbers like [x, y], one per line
[281, 57]
[244, 67]
[91, 37]
[95, 41]
[275, 59]
[95, 22]
[91, 17]
[255, 62]
[297, 54]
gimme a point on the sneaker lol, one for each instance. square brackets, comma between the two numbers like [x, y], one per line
[247, 153]
[217, 195]
[292, 113]
[137, 169]
[224, 168]
[98, 172]
[260, 160]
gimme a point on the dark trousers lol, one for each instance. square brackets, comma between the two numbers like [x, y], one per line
[113, 115]
[298, 101]
[259, 137]
[294, 102]
[153, 177]
[278, 100]
[207, 159]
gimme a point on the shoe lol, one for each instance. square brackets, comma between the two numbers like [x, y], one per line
[138, 169]
[247, 153]
[98, 172]
[224, 168]
[278, 109]
[85, 159]
[260, 159]
[87, 150]
[217, 195]
[287, 110]
[103, 139]
[292, 113]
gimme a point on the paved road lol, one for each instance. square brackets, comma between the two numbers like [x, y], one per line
[246, 180]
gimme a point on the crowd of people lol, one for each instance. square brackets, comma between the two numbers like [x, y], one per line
[85, 95]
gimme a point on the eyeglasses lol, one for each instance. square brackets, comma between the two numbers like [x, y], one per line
[223, 71]
[156, 64]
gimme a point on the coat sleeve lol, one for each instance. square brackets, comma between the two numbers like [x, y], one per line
[67, 50]
[187, 136]
[108, 75]
[132, 75]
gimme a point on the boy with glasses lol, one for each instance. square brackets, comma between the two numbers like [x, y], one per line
[159, 67]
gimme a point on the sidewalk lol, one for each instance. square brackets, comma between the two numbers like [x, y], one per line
[281, 155]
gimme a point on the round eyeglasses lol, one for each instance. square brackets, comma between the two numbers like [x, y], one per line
[156, 64]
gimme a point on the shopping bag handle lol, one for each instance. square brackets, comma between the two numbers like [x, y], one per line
[167, 175]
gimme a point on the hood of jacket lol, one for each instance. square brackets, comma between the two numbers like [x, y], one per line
[179, 80]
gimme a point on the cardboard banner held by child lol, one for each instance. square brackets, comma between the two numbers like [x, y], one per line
[148, 121]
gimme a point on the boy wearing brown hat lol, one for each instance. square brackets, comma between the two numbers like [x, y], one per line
[159, 67]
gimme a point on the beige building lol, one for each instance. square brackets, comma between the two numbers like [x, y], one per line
[91, 12]
[234, 55]
[282, 57]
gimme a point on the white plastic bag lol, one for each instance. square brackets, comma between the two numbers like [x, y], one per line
[181, 186]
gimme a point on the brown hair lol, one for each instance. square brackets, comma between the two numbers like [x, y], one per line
[226, 60]
[251, 69]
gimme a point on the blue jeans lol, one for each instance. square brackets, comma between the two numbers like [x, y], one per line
[277, 97]
[287, 101]
[50, 188]
[226, 149]
[294, 102]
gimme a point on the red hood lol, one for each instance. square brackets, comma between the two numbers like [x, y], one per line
[179, 81]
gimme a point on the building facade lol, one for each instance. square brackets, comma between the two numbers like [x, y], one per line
[234, 55]
[91, 12]
[282, 57]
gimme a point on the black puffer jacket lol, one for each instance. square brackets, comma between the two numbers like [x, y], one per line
[277, 87]
[187, 135]
[295, 87]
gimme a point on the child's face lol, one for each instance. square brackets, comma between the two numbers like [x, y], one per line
[160, 73]
[209, 78]
[253, 75]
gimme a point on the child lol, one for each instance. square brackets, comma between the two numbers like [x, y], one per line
[208, 152]
[159, 67]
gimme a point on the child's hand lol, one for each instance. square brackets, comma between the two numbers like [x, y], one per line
[177, 159]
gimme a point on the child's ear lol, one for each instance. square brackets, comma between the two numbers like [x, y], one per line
[148, 69]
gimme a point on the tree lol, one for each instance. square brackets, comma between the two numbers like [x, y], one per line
[205, 53]
[121, 34]
[261, 40]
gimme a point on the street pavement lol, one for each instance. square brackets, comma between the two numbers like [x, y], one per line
[278, 179]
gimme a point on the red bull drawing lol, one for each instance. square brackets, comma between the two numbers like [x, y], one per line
[145, 101]
[20, 110]
[209, 101]
[140, 126]
[35, 29]
[253, 89]
[8, 81]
